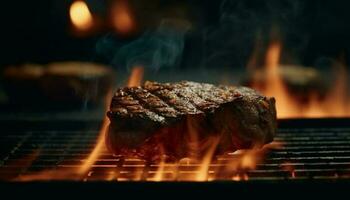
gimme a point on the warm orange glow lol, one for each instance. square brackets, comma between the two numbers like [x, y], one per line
[97, 150]
[136, 76]
[208, 157]
[236, 177]
[201, 164]
[240, 177]
[80, 15]
[24, 162]
[121, 17]
[234, 166]
[159, 174]
[100, 145]
[49, 175]
[79, 173]
[248, 161]
[335, 104]
[244, 160]
[274, 83]
[273, 56]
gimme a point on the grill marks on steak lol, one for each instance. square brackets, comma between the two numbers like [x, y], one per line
[167, 93]
[126, 104]
[161, 118]
[169, 100]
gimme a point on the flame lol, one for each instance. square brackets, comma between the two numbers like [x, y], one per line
[159, 175]
[65, 174]
[204, 166]
[100, 145]
[236, 167]
[85, 167]
[234, 164]
[160, 171]
[121, 17]
[83, 170]
[80, 15]
[335, 104]
[248, 159]
[275, 85]
[273, 56]
[136, 76]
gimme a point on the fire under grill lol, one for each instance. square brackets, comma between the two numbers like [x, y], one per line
[50, 150]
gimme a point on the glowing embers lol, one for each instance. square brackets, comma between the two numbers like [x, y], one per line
[81, 16]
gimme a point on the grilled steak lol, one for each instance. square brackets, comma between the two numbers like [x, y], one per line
[183, 119]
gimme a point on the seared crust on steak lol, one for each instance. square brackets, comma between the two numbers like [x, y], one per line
[180, 119]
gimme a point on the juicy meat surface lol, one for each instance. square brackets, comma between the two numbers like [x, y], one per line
[183, 119]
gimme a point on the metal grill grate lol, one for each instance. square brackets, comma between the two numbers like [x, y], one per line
[309, 152]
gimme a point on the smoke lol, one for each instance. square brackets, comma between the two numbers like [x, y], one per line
[223, 36]
[161, 48]
[245, 25]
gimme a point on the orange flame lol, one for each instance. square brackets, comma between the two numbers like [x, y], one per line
[204, 165]
[335, 104]
[274, 84]
[136, 76]
[236, 163]
[84, 168]
[201, 169]
[160, 171]
[65, 174]
[248, 159]
[80, 15]
[121, 17]
[134, 80]
[233, 166]
[100, 141]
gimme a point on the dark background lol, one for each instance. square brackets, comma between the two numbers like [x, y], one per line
[40, 31]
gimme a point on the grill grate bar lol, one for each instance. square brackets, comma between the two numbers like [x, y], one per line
[306, 153]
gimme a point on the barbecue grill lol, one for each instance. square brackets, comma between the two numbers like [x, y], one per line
[315, 158]
[52, 121]
[312, 149]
